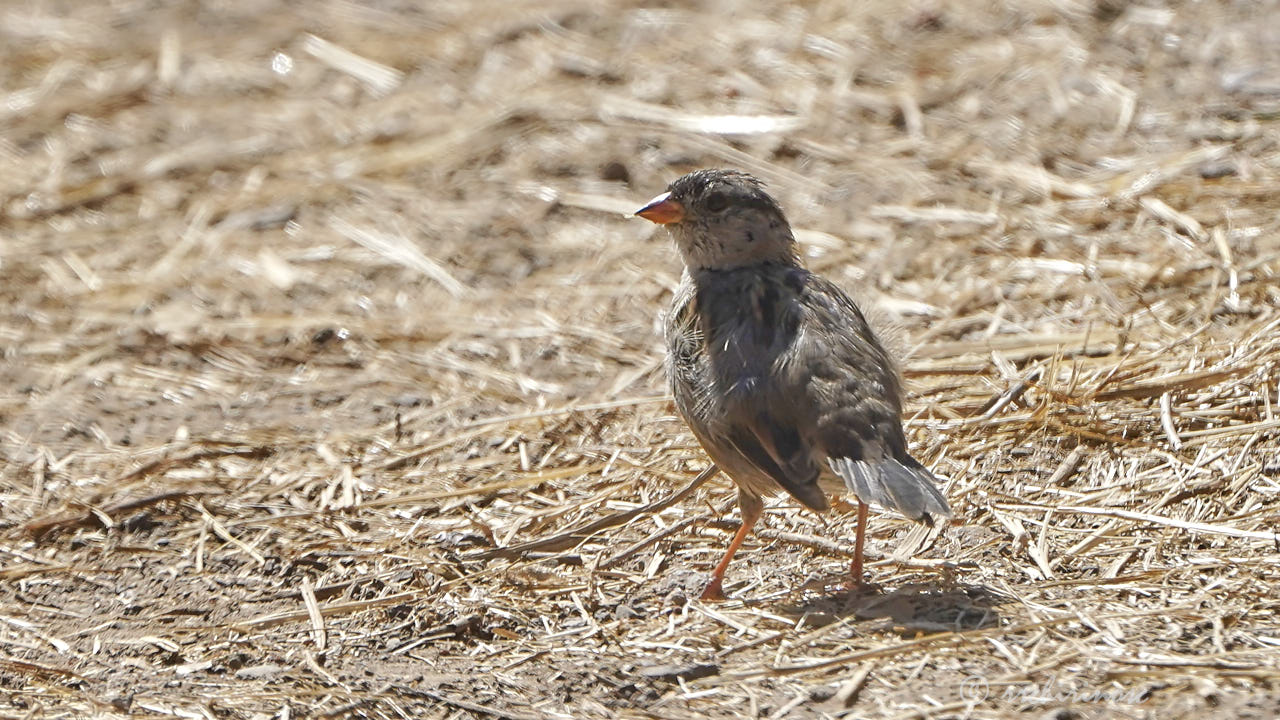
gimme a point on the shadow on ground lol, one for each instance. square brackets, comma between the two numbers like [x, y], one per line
[908, 609]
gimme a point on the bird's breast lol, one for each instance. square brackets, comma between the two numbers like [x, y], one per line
[749, 320]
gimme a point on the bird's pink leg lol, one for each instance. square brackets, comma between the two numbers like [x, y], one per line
[751, 507]
[859, 541]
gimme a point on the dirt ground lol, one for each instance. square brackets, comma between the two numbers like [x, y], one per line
[331, 381]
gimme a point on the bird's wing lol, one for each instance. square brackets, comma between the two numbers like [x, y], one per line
[839, 369]
[777, 450]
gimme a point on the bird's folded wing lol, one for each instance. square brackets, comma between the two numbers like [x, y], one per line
[758, 440]
[759, 450]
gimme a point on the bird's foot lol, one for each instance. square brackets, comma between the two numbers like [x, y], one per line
[858, 583]
[858, 587]
[714, 592]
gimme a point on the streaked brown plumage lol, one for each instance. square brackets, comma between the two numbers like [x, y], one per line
[775, 369]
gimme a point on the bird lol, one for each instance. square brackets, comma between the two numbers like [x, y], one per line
[776, 370]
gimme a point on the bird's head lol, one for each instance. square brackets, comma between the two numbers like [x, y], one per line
[721, 220]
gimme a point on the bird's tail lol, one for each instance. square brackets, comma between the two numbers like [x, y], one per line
[911, 490]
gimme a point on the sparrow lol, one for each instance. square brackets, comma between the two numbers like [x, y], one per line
[776, 370]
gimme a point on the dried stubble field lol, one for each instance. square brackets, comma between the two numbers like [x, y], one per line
[311, 308]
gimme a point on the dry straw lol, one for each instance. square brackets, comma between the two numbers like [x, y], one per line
[331, 386]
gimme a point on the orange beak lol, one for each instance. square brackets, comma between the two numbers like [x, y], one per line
[662, 210]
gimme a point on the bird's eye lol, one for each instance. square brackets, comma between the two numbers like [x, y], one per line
[716, 202]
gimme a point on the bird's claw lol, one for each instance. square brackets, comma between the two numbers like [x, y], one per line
[714, 592]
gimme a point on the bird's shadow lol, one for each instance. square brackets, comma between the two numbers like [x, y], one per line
[908, 609]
